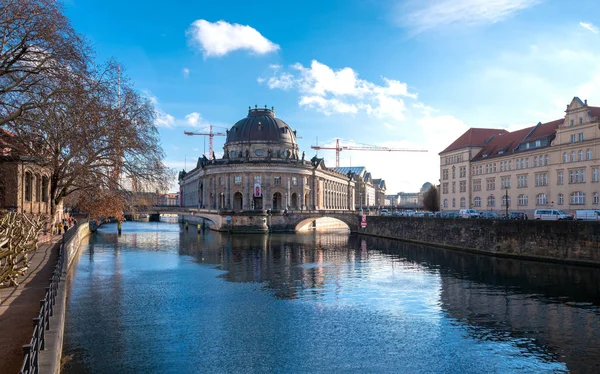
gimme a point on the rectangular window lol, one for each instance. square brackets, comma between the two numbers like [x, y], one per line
[522, 181]
[277, 181]
[294, 181]
[559, 177]
[445, 174]
[477, 185]
[445, 188]
[453, 187]
[595, 175]
[572, 135]
[491, 184]
[463, 186]
[237, 179]
[580, 136]
[505, 182]
[257, 179]
[577, 176]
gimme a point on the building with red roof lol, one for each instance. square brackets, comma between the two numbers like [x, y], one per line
[553, 164]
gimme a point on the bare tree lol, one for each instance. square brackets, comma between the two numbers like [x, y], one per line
[37, 44]
[93, 134]
[431, 199]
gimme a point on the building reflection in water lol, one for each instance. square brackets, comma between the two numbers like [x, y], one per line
[287, 264]
[549, 308]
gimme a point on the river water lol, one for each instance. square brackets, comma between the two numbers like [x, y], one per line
[158, 299]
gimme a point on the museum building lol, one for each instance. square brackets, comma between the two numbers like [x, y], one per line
[262, 168]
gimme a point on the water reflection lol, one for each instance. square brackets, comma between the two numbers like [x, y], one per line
[320, 302]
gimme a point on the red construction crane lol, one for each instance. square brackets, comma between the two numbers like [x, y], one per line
[210, 135]
[339, 148]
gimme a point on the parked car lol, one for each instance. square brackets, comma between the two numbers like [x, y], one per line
[453, 215]
[490, 215]
[385, 212]
[517, 215]
[468, 213]
[588, 214]
[551, 215]
[408, 213]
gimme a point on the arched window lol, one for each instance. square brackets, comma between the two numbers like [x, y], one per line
[541, 199]
[28, 186]
[589, 154]
[561, 199]
[565, 157]
[38, 187]
[491, 201]
[45, 189]
[581, 156]
[523, 200]
[463, 202]
[578, 198]
[573, 156]
[445, 203]
[477, 201]
[505, 200]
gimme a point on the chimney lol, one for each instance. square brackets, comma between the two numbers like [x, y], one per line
[585, 102]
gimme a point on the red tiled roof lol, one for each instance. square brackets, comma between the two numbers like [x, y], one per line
[473, 137]
[508, 143]
[594, 111]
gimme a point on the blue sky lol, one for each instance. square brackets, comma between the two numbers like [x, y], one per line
[410, 74]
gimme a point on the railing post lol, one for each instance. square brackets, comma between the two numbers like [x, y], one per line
[27, 358]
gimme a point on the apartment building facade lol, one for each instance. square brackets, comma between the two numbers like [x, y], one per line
[549, 165]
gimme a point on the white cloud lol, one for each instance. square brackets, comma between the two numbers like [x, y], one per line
[193, 118]
[589, 26]
[164, 119]
[342, 91]
[219, 38]
[422, 15]
[186, 72]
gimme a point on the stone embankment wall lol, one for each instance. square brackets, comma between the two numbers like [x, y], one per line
[564, 241]
[50, 358]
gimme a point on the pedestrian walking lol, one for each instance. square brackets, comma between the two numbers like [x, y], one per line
[60, 227]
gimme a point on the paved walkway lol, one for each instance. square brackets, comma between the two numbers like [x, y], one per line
[19, 305]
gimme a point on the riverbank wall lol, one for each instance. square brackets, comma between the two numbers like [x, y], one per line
[50, 357]
[576, 242]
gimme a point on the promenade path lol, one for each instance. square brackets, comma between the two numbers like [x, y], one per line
[19, 305]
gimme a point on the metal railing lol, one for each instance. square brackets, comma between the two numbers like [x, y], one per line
[41, 324]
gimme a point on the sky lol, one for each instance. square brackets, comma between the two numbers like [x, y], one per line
[411, 74]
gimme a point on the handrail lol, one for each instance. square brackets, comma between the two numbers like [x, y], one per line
[31, 351]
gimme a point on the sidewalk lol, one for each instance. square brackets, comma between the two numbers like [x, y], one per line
[19, 305]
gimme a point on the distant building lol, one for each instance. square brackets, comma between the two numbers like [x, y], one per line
[379, 185]
[168, 199]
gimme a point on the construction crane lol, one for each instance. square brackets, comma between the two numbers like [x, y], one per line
[210, 135]
[339, 148]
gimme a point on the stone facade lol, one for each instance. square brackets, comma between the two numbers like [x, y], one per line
[24, 185]
[261, 169]
[550, 165]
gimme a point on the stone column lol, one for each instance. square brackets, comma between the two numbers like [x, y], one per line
[228, 191]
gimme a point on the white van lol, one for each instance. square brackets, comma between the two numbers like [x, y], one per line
[588, 214]
[468, 213]
[551, 215]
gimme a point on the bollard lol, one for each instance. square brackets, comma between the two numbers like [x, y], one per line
[198, 227]
[186, 226]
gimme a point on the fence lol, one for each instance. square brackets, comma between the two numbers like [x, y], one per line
[41, 323]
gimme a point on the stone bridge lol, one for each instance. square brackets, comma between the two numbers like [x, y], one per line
[255, 220]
